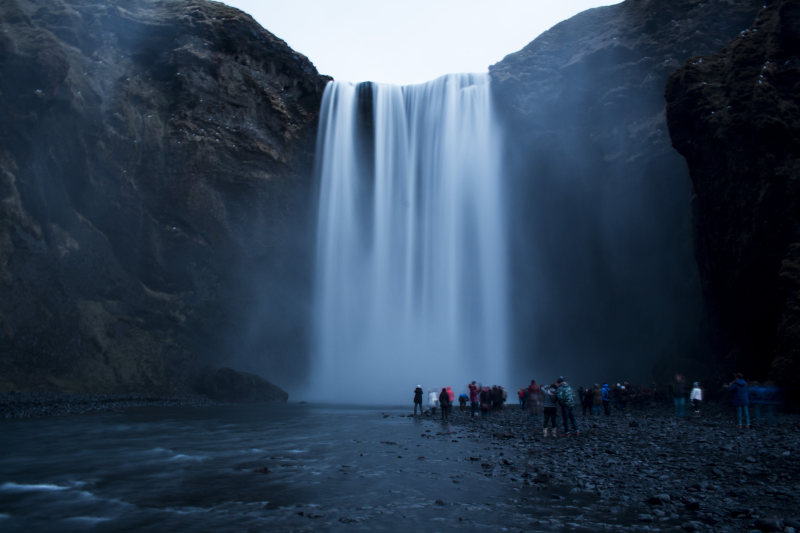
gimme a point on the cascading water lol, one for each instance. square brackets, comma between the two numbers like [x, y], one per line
[411, 250]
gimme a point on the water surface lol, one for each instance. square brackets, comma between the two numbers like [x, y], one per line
[237, 468]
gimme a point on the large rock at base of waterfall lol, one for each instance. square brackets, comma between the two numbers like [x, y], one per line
[228, 385]
[601, 197]
[155, 164]
[735, 116]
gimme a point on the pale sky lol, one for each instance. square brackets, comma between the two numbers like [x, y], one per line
[409, 41]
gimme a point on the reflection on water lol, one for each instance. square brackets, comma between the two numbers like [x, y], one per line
[231, 468]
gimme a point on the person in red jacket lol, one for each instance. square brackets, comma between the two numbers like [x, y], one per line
[474, 397]
[534, 401]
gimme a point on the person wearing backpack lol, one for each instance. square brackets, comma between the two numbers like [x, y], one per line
[604, 395]
[566, 399]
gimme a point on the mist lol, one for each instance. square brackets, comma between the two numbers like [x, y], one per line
[604, 282]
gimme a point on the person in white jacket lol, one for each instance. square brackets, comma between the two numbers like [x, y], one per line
[433, 401]
[696, 397]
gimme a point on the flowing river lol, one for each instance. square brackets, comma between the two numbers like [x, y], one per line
[250, 468]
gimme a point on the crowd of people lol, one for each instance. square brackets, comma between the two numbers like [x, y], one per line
[560, 398]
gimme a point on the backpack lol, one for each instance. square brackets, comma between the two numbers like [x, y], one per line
[566, 396]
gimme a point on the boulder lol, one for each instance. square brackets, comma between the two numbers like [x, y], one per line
[229, 385]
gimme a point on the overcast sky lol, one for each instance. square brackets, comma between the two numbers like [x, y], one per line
[409, 41]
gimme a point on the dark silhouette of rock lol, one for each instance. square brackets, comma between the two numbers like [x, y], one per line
[735, 117]
[228, 385]
[602, 229]
[155, 177]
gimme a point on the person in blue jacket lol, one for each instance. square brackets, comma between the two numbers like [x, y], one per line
[739, 399]
[604, 392]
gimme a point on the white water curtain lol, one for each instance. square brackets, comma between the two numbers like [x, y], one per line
[411, 270]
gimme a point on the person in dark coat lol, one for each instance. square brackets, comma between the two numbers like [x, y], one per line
[444, 403]
[418, 399]
[739, 398]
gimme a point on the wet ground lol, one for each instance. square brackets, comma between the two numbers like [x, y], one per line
[317, 468]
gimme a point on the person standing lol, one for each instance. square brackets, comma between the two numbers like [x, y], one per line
[588, 401]
[566, 398]
[418, 399]
[549, 403]
[604, 393]
[444, 403]
[696, 397]
[534, 401]
[597, 399]
[433, 402]
[679, 394]
[486, 400]
[739, 398]
[474, 398]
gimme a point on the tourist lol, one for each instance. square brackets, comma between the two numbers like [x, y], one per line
[534, 395]
[604, 396]
[597, 399]
[679, 394]
[566, 398]
[444, 403]
[549, 403]
[433, 402]
[462, 402]
[521, 396]
[739, 399]
[486, 400]
[474, 397]
[616, 393]
[587, 401]
[767, 395]
[497, 398]
[418, 399]
[696, 397]
[624, 395]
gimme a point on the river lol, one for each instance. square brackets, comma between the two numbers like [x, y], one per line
[236, 468]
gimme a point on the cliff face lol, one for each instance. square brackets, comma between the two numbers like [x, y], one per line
[155, 166]
[604, 271]
[735, 116]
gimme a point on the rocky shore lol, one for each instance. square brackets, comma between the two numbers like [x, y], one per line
[644, 470]
[38, 404]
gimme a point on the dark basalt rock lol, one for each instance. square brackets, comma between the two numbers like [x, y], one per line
[735, 117]
[601, 200]
[155, 158]
[228, 385]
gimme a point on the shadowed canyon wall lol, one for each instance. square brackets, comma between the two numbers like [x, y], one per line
[155, 176]
[605, 284]
[735, 116]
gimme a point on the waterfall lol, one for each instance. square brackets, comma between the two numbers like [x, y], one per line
[411, 267]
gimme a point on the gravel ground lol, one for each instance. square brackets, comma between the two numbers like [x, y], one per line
[646, 470]
[37, 404]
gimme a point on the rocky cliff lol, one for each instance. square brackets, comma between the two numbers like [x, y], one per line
[604, 271]
[735, 116]
[155, 165]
